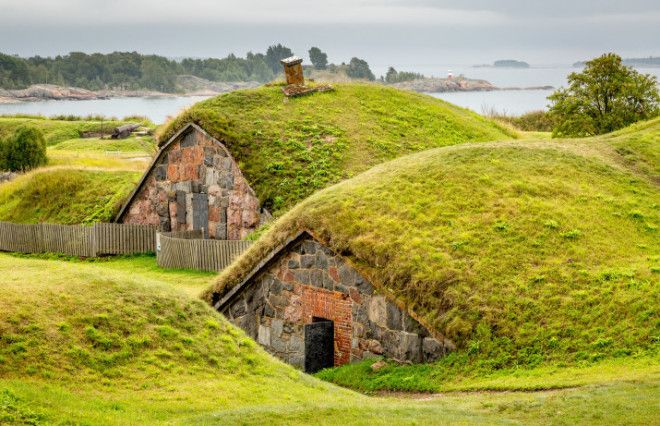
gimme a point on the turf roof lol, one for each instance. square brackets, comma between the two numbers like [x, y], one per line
[290, 148]
[522, 251]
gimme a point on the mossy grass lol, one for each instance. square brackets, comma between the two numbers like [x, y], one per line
[290, 148]
[114, 342]
[65, 195]
[525, 254]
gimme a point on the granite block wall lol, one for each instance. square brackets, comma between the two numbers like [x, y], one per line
[308, 280]
[196, 184]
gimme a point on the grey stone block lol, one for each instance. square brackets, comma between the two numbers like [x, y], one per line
[238, 308]
[269, 311]
[321, 260]
[316, 278]
[307, 261]
[276, 327]
[377, 311]
[160, 173]
[347, 275]
[393, 317]
[363, 285]
[309, 247]
[263, 335]
[432, 349]
[188, 140]
[293, 263]
[302, 276]
[278, 344]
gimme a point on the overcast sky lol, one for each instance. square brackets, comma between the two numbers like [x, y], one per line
[408, 33]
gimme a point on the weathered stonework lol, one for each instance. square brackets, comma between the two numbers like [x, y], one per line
[194, 183]
[306, 280]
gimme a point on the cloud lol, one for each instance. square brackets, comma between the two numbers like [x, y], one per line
[102, 12]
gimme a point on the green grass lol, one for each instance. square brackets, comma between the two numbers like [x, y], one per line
[290, 148]
[116, 342]
[138, 145]
[525, 254]
[59, 130]
[67, 196]
[132, 154]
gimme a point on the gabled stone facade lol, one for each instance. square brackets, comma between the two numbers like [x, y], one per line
[194, 183]
[305, 281]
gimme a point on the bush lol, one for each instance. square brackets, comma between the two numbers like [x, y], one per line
[604, 97]
[24, 150]
[533, 121]
[359, 68]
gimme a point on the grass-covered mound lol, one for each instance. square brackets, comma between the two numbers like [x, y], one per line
[522, 253]
[67, 196]
[58, 130]
[289, 148]
[113, 342]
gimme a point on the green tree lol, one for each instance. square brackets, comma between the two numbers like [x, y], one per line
[318, 58]
[275, 54]
[391, 76]
[359, 68]
[24, 150]
[605, 96]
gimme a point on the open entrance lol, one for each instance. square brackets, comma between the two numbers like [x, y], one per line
[319, 345]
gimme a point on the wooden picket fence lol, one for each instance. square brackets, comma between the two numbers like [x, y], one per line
[78, 240]
[182, 249]
[187, 250]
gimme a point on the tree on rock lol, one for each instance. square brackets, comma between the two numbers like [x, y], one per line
[359, 68]
[275, 54]
[604, 97]
[318, 58]
[23, 151]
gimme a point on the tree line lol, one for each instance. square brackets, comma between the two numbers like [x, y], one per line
[133, 71]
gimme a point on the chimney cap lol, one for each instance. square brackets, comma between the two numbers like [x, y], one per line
[292, 60]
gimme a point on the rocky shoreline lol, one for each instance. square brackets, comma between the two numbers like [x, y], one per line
[457, 84]
[186, 85]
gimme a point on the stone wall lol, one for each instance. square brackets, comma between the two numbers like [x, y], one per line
[196, 184]
[308, 280]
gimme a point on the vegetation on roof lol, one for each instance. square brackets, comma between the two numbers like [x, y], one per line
[114, 342]
[64, 195]
[524, 253]
[290, 148]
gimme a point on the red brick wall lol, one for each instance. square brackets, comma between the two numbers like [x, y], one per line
[334, 306]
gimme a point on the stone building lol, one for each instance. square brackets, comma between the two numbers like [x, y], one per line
[308, 306]
[194, 183]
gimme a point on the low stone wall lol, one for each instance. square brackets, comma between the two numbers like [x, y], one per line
[307, 281]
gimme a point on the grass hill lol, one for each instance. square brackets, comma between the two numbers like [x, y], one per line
[65, 195]
[524, 253]
[115, 342]
[65, 128]
[290, 148]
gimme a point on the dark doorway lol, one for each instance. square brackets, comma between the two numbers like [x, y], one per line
[200, 213]
[319, 345]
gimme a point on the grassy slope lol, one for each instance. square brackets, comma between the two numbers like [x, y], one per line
[132, 154]
[289, 148]
[58, 130]
[524, 253]
[65, 195]
[116, 343]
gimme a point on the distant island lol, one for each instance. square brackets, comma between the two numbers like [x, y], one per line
[650, 62]
[505, 63]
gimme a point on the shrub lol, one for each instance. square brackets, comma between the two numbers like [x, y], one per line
[606, 96]
[533, 121]
[24, 150]
[359, 68]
